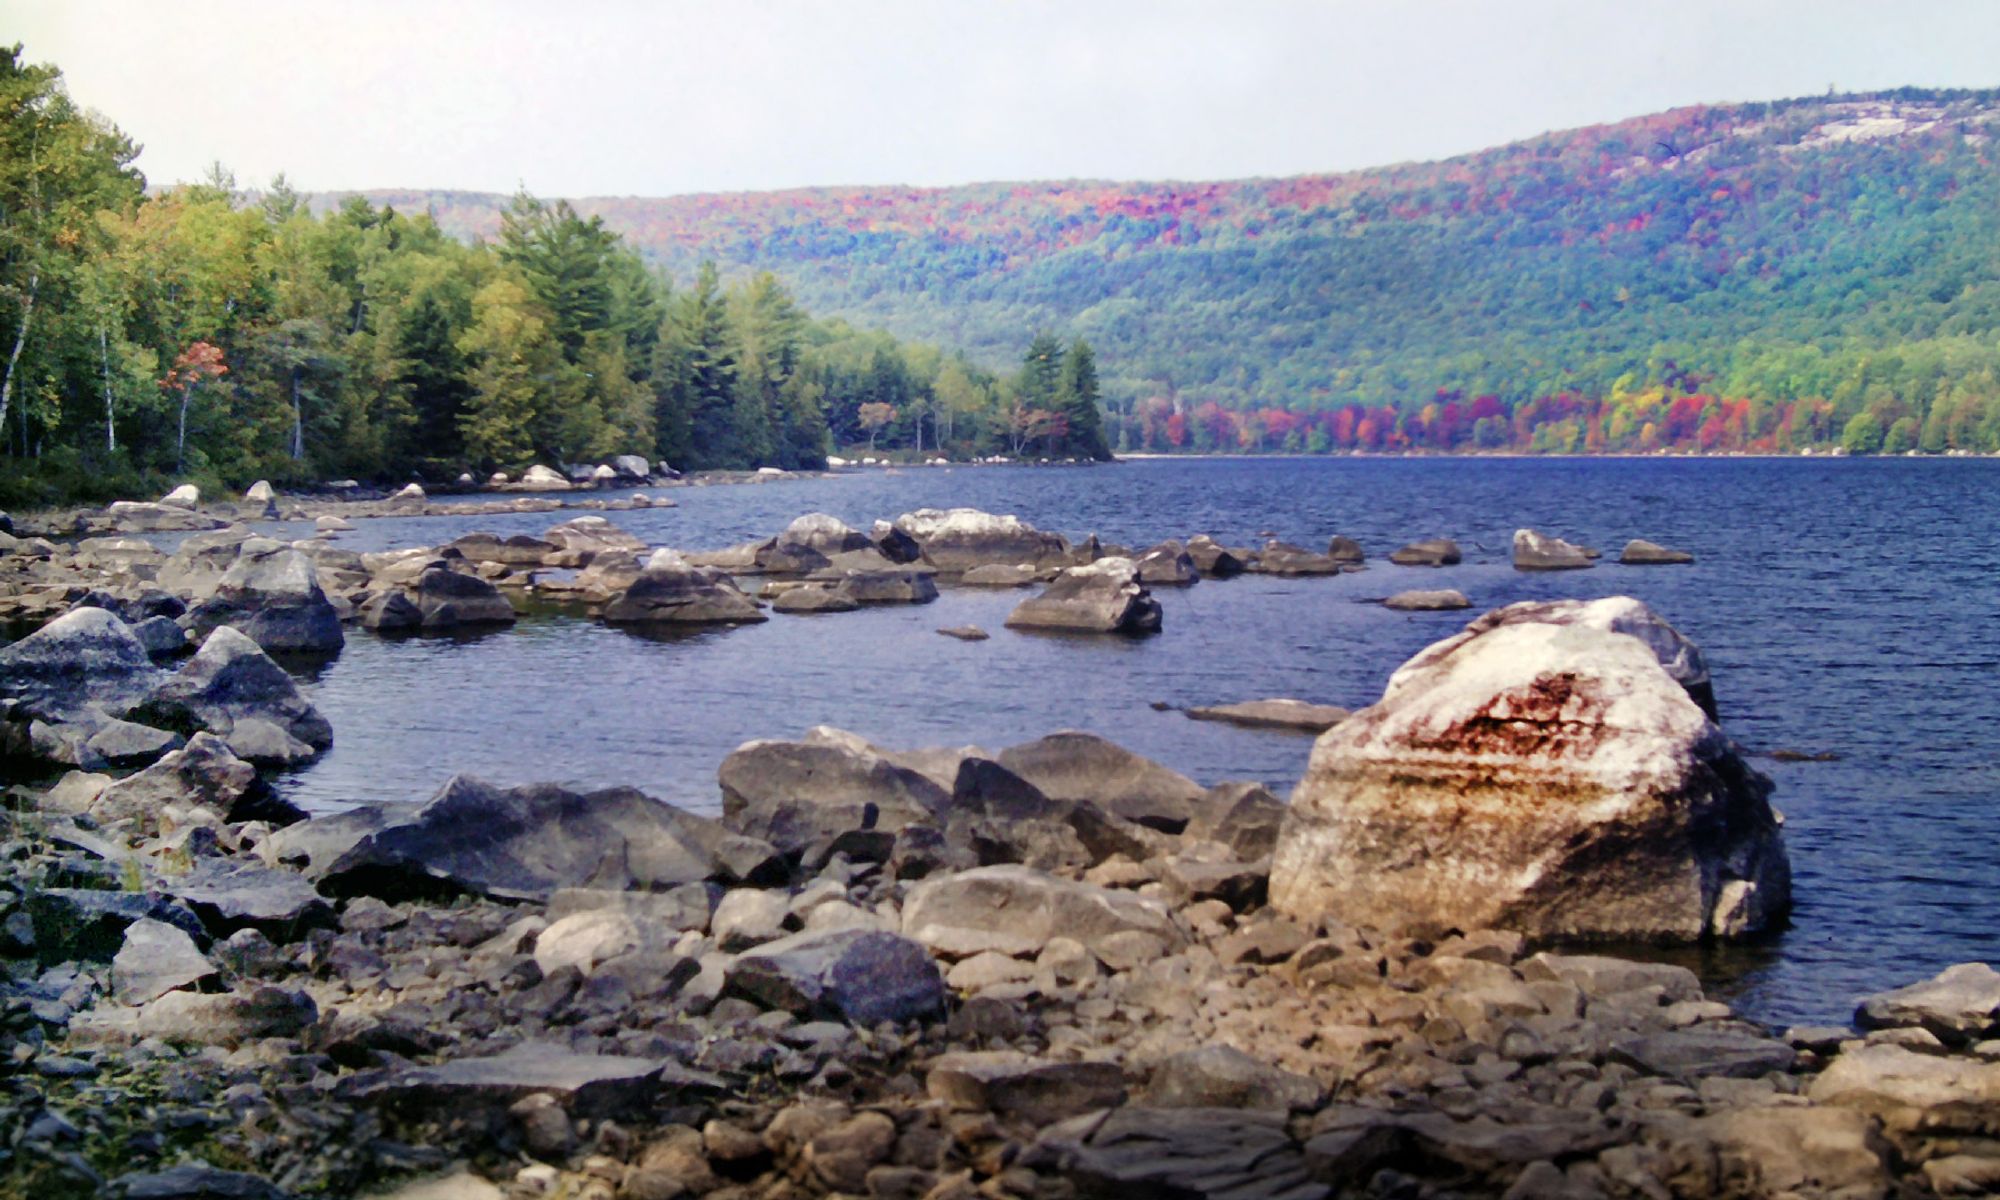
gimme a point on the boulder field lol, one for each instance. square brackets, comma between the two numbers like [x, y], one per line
[1050, 970]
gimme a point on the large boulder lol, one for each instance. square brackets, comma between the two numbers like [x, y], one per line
[858, 976]
[1213, 559]
[84, 665]
[796, 794]
[1548, 778]
[230, 680]
[960, 539]
[539, 478]
[451, 599]
[1016, 910]
[671, 592]
[204, 772]
[1614, 614]
[1168, 565]
[1534, 551]
[272, 593]
[524, 843]
[829, 535]
[1101, 597]
[1083, 767]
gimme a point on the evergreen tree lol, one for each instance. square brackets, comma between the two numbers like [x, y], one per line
[1077, 401]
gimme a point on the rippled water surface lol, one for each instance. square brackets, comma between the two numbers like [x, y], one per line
[1845, 606]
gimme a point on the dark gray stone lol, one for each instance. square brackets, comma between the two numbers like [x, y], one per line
[523, 843]
[230, 680]
[229, 896]
[84, 665]
[853, 975]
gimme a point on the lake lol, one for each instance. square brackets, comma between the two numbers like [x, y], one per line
[1846, 606]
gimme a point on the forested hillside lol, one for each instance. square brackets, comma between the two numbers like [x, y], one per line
[207, 332]
[1757, 276]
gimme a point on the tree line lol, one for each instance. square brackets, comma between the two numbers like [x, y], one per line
[225, 336]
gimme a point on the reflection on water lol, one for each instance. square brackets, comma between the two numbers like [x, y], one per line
[1845, 606]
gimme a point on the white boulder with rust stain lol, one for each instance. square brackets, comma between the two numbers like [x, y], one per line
[1551, 778]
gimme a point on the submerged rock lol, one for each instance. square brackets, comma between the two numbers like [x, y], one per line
[1552, 779]
[1641, 553]
[1539, 552]
[1283, 558]
[1443, 600]
[1436, 552]
[1274, 714]
[1103, 597]
[449, 599]
[670, 591]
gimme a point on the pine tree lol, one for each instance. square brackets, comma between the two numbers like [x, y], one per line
[1077, 401]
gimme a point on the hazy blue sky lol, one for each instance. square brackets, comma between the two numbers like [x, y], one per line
[580, 97]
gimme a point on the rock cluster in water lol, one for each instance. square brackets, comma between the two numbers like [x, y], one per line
[1051, 970]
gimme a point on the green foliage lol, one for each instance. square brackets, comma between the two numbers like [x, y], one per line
[194, 332]
[1863, 434]
[1786, 265]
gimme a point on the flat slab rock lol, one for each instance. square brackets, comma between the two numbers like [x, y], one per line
[156, 959]
[1693, 1054]
[1444, 600]
[1037, 1090]
[1274, 714]
[232, 896]
[582, 1082]
[1016, 910]
[193, 1181]
[524, 843]
[1960, 1004]
[1182, 1153]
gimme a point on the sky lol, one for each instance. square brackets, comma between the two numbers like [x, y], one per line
[625, 97]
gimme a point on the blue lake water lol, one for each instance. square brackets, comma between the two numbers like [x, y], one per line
[1846, 606]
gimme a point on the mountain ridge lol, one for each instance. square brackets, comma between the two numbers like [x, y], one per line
[1681, 249]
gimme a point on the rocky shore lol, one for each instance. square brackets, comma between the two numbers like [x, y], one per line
[1055, 969]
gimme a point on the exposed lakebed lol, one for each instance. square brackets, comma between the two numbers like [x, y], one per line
[1844, 606]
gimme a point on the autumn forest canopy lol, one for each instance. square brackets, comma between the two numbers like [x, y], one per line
[1804, 274]
[204, 332]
